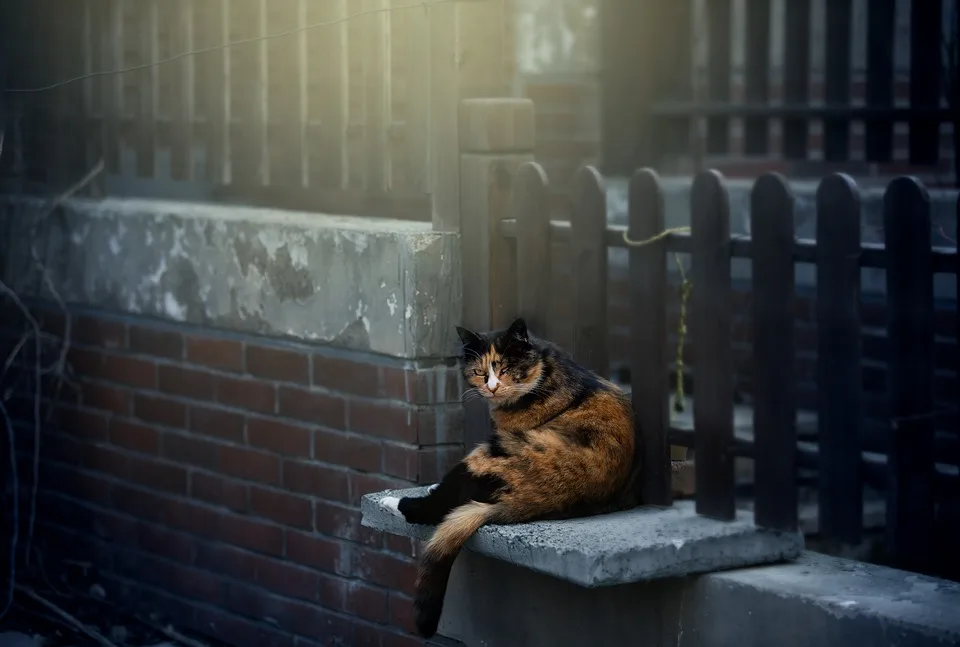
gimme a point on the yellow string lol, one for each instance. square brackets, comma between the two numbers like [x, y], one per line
[685, 288]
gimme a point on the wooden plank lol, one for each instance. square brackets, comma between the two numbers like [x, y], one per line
[839, 36]
[181, 151]
[588, 222]
[711, 327]
[881, 16]
[212, 87]
[774, 311]
[648, 333]
[416, 103]
[247, 110]
[285, 84]
[757, 75]
[530, 206]
[839, 373]
[444, 74]
[910, 329]
[145, 123]
[377, 79]
[328, 95]
[111, 87]
[719, 17]
[796, 75]
[926, 27]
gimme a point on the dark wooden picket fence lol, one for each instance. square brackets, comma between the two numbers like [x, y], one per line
[910, 473]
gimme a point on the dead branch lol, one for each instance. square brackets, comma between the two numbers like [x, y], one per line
[71, 620]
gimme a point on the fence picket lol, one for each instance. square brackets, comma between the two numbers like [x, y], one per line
[530, 207]
[838, 359]
[881, 18]
[775, 407]
[839, 34]
[710, 332]
[926, 57]
[796, 74]
[910, 331]
[648, 331]
[588, 222]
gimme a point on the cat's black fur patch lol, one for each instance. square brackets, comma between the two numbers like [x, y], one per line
[457, 487]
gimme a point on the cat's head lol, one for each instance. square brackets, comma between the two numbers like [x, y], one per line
[503, 365]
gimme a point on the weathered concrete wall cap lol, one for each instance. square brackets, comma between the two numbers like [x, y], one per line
[373, 284]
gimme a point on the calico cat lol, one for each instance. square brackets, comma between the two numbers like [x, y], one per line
[562, 446]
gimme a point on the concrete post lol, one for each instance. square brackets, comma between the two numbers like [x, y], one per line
[496, 136]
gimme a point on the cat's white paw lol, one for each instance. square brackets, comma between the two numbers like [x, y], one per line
[432, 488]
[392, 504]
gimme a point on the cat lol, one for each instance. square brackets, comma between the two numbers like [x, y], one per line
[562, 446]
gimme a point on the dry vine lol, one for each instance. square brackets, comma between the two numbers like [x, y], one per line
[57, 371]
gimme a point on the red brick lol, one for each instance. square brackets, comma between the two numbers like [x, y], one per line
[346, 376]
[164, 543]
[347, 450]
[217, 423]
[134, 436]
[314, 621]
[401, 612]
[438, 384]
[219, 491]
[366, 602]
[238, 632]
[278, 437]
[282, 507]
[361, 484]
[393, 639]
[286, 579]
[87, 425]
[383, 420]
[223, 354]
[316, 480]
[158, 476]
[252, 534]
[190, 517]
[404, 546]
[189, 383]
[317, 552]
[344, 523]
[106, 398]
[435, 462]
[160, 411]
[192, 451]
[160, 343]
[226, 560]
[137, 503]
[93, 331]
[385, 569]
[107, 460]
[312, 406]
[247, 394]
[130, 371]
[193, 584]
[278, 364]
[250, 464]
[402, 461]
[86, 362]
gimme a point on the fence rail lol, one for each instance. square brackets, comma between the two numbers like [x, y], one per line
[345, 106]
[913, 470]
[839, 80]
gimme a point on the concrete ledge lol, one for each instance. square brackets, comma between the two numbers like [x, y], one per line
[632, 546]
[815, 601]
[370, 284]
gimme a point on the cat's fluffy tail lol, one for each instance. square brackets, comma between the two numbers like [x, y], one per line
[441, 551]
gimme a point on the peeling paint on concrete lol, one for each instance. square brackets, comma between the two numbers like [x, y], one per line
[334, 279]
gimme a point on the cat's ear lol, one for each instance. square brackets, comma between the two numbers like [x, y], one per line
[470, 339]
[518, 330]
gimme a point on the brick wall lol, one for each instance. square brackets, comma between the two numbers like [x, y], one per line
[218, 477]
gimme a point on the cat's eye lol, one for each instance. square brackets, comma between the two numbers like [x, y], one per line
[478, 372]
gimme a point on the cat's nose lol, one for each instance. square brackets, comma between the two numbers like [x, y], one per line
[493, 388]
